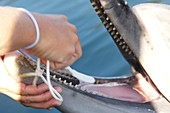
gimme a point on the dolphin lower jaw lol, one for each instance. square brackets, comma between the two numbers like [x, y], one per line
[121, 88]
[104, 95]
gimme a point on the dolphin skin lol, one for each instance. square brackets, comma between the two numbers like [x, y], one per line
[141, 33]
[77, 98]
[137, 93]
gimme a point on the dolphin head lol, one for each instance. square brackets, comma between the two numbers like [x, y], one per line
[141, 34]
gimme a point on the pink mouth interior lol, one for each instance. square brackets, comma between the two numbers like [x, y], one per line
[142, 91]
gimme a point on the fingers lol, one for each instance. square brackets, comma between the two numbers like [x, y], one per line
[68, 60]
[37, 99]
[42, 97]
[43, 105]
[31, 90]
[63, 47]
[42, 101]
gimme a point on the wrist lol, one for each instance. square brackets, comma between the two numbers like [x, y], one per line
[17, 30]
[36, 28]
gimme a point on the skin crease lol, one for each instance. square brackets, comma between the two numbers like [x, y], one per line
[58, 43]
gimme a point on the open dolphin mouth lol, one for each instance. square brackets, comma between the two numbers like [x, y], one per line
[136, 41]
[102, 8]
[103, 95]
[127, 88]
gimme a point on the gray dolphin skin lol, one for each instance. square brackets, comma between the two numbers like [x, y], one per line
[76, 99]
[141, 34]
[145, 30]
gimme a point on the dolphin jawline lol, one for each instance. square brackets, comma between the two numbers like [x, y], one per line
[77, 99]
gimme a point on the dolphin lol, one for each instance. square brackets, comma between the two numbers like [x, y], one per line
[145, 33]
[139, 92]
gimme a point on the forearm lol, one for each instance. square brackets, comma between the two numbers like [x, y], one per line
[16, 30]
[58, 41]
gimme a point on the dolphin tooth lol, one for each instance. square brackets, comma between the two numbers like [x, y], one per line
[97, 93]
[98, 12]
[93, 3]
[69, 75]
[110, 29]
[107, 26]
[80, 88]
[101, 16]
[54, 76]
[69, 84]
[59, 79]
[75, 86]
[130, 52]
[120, 43]
[97, 82]
[91, 92]
[86, 90]
[64, 82]
[123, 47]
[115, 36]
[112, 33]
[126, 50]
[105, 22]
[118, 40]
[107, 18]
[96, 8]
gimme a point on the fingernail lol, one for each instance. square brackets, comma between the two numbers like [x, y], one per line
[50, 108]
[57, 103]
[59, 89]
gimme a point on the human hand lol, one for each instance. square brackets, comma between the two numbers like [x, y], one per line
[58, 42]
[38, 97]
